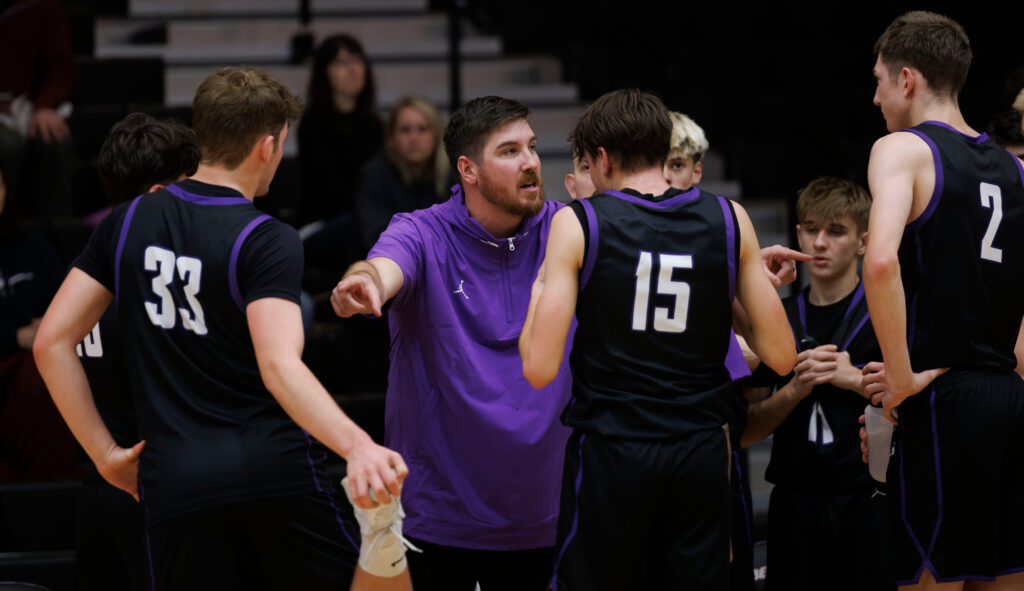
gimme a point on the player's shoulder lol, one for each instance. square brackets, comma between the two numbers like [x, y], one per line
[902, 141]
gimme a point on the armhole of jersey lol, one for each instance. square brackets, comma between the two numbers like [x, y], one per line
[588, 219]
[122, 236]
[732, 241]
[939, 182]
[236, 293]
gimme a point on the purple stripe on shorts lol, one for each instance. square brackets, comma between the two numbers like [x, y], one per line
[204, 199]
[903, 511]
[730, 244]
[575, 516]
[149, 549]
[590, 257]
[330, 497]
[236, 293]
[120, 247]
[673, 201]
[938, 474]
[934, 202]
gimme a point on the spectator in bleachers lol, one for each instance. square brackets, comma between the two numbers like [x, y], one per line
[339, 133]
[411, 173]
[34, 442]
[36, 79]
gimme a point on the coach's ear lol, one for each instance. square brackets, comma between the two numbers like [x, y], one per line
[468, 170]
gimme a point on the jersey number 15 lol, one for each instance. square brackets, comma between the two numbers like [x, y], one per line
[665, 319]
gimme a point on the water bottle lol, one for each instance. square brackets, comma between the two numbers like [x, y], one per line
[879, 441]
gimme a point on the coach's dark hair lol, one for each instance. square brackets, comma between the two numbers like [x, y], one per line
[236, 106]
[141, 152]
[1005, 128]
[319, 96]
[633, 127]
[934, 44]
[472, 123]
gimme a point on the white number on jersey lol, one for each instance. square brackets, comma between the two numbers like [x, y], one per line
[190, 269]
[91, 346]
[992, 198]
[673, 319]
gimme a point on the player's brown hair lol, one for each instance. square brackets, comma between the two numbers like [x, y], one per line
[934, 44]
[236, 106]
[828, 198]
[141, 152]
[632, 126]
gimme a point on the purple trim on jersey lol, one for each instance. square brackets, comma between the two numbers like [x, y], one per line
[856, 330]
[589, 257]
[204, 199]
[938, 474]
[939, 181]
[673, 201]
[236, 293]
[1011, 571]
[734, 360]
[730, 244]
[1020, 167]
[978, 139]
[120, 246]
[746, 510]
[330, 497]
[575, 516]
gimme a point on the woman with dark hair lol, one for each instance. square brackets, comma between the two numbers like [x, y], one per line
[340, 131]
[35, 444]
[411, 173]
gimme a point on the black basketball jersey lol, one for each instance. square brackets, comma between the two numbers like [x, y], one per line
[817, 447]
[962, 259]
[103, 360]
[183, 263]
[654, 313]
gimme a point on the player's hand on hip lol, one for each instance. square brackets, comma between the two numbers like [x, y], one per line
[120, 467]
[377, 468]
[357, 293]
[780, 263]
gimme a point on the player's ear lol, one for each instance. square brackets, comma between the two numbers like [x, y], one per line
[266, 147]
[862, 244]
[468, 170]
[698, 170]
[908, 80]
[570, 184]
[603, 161]
[155, 188]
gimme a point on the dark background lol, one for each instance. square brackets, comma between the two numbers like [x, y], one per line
[783, 89]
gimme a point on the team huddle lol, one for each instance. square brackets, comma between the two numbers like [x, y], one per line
[567, 384]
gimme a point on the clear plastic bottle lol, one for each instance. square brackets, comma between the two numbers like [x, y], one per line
[879, 441]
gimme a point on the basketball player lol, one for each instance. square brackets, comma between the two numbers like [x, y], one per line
[943, 275]
[140, 155]
[650, 272]
[684, 165]
[827, 525]
[206, 288]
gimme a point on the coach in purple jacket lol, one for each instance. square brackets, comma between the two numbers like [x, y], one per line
[484, 448]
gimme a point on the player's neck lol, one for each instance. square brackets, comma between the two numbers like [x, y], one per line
[823, 292]
[943, 109]
[648, 182]
[236, 179]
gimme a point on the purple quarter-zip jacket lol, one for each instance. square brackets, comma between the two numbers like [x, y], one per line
[484, 448]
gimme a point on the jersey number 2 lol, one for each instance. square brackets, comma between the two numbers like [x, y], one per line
[992, 198]
[665, 319]
[164, 262]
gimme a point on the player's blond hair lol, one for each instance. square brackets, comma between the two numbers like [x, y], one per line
[688, 139]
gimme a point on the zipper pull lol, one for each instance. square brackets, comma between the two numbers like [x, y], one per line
[511, 244]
